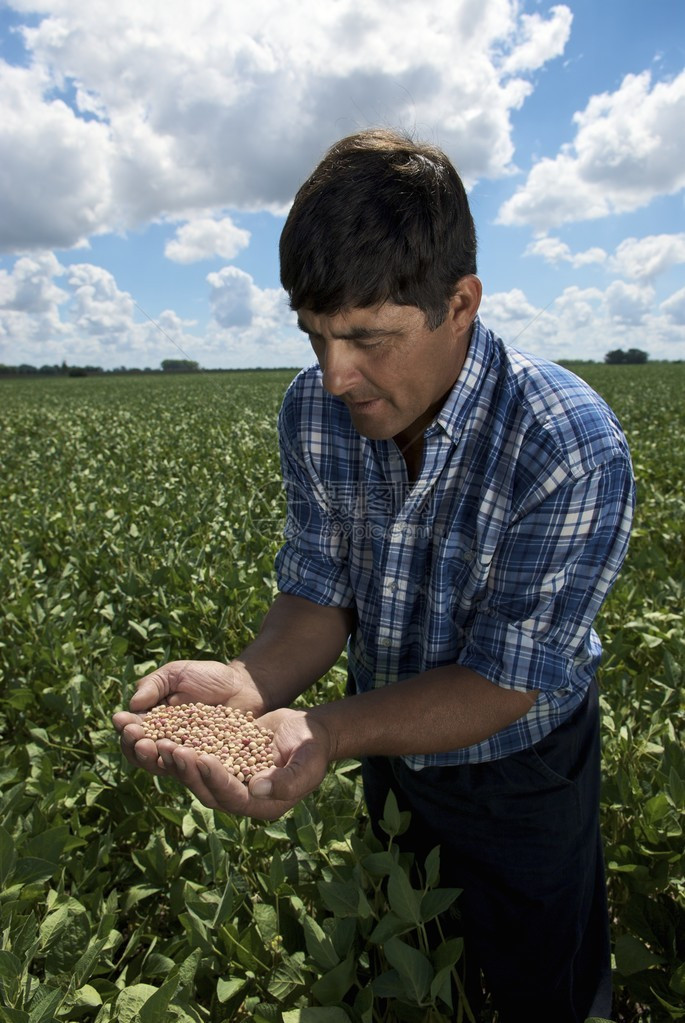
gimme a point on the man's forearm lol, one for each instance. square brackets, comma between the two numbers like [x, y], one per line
[437, 711]
[297, 643]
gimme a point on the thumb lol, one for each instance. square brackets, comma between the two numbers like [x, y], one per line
[151, 690]
[303, 772]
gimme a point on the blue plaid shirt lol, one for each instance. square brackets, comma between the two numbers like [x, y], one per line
[497, 558]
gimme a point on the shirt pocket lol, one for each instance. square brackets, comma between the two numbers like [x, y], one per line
[456, 579]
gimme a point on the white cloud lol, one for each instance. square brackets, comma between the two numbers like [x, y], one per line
[553, 250]
[586, 323]
[98, 307]
[232, 297]
[132, 112]
[55, 184]
[629, 303]
[252, 325]
[88, 319]
[30, 303]
[513, 315]
[539, 40]
[30, 287]
[644, 258]
[629, 147]
[674, 308]
[205, 238]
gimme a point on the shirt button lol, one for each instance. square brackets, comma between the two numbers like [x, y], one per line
[385, 641]
[392, 586]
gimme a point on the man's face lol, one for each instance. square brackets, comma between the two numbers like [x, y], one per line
[392, 372]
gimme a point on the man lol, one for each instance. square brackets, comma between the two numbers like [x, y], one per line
[457, 513]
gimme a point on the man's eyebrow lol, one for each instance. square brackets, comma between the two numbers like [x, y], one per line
[353, 334]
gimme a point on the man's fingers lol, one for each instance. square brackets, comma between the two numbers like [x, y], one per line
[208, 779]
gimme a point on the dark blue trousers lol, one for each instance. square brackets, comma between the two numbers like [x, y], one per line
[521, 837]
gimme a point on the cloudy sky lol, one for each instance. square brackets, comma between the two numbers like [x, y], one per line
[149, 152]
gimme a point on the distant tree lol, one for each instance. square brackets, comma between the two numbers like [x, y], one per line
[180, 366]
[619, 357]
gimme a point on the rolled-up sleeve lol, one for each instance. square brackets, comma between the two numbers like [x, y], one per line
[546, 582]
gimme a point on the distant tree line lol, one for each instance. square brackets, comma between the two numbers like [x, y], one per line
[64, 370]
[618, 357]
[167, 366]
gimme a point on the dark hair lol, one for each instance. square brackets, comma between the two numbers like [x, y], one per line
[382, 218]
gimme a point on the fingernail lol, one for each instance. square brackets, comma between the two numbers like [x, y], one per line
[203, 768]
[180, 765]
[261, 787]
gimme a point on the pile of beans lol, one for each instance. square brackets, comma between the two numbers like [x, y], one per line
[231, 735]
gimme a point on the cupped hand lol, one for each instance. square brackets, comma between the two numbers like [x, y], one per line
[302, 753]
[180, 682]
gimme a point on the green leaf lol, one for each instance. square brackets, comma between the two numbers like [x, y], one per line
[118, 647]
[188, 968]
[674, 1011]
[677, 981]
[64, 936]
[154, 1010]
[131, 1000]
[632, 956]
[448, 953]
[84, 965]
[404, 900]
[441, 986]
[87, 997]
[391, 821]
[266, 920]
[288, 977]
[45, 1003]
[335, 984]
[10, 975]
[379, 864]
[226, 989]
[8, 1015]
[276, 871]
[307, 831]
[388, 985]
[341, 897]
[316, 1014]
[437, 901]
[413, 966]
[8, 856]
[656, 808]
[388, 927]
[319, 945]
[676, 787]
[432, 867]
[137, 893]
[30, 870]
[342, 933]
[48, 845]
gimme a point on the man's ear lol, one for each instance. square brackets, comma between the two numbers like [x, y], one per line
[465, 302]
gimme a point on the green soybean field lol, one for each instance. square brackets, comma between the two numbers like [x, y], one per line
[140, 516]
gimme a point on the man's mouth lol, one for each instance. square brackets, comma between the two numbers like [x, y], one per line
[361, 404]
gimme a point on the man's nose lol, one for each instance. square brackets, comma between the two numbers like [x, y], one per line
[339, 367]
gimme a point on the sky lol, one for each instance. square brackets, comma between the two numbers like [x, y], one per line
[149, 153]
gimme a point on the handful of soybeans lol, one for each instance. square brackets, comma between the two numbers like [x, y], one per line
[231, 735]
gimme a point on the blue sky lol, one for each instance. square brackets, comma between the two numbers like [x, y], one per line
[149, 154]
